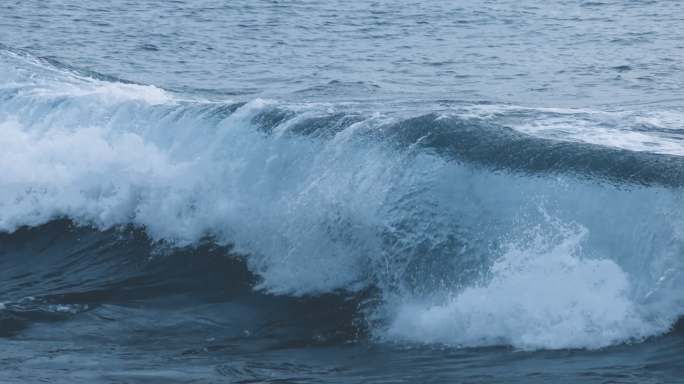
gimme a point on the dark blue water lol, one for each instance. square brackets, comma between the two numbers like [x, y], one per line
[298, 191]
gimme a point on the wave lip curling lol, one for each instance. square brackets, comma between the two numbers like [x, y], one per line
[540, 297]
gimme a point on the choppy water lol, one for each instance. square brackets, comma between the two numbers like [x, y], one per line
[341, 192]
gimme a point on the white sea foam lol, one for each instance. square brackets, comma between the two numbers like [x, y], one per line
[320, 214]
[540, 296]
[588, 131]
[650, 131]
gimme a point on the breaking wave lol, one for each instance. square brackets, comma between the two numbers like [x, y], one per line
[472, 230]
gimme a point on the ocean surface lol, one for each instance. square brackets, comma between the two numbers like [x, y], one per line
[342, 191]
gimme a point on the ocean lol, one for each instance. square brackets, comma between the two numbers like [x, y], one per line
[341, 192]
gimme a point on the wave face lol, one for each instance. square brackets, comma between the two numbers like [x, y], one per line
[469, 230]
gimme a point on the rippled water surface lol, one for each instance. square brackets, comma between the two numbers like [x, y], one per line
[559, 53]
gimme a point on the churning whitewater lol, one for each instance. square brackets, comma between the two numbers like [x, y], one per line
[469, 224]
